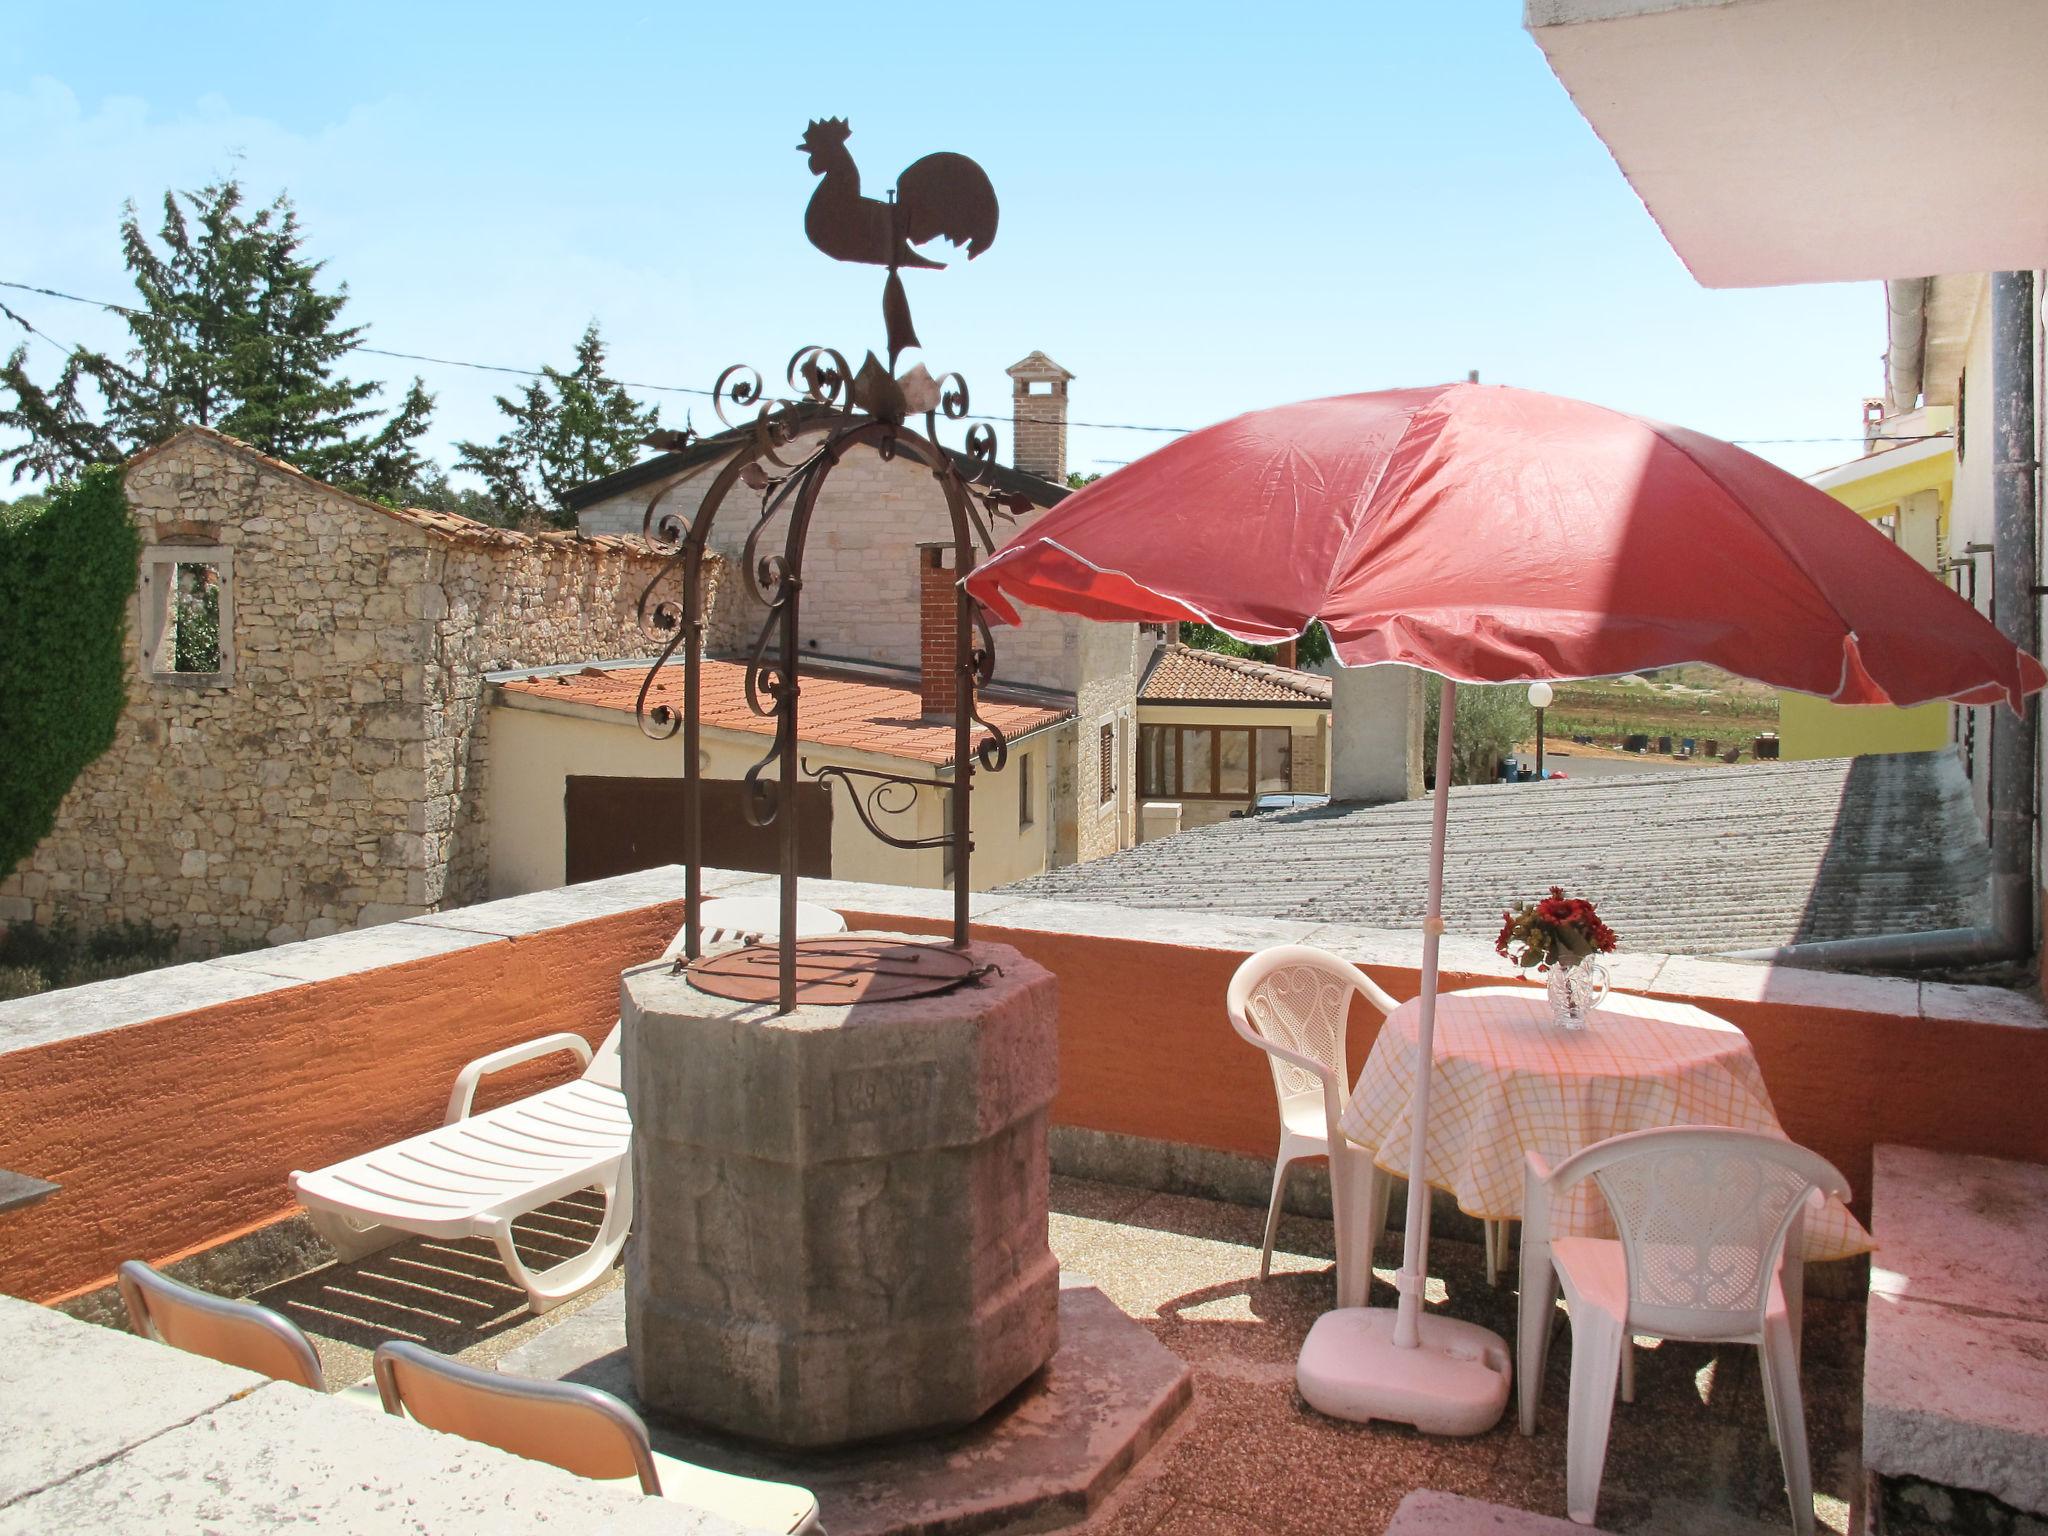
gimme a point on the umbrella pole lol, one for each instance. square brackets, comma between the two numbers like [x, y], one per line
[1415, 1235]
[1441, 1374]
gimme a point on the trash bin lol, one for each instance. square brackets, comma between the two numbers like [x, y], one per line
[1766, 745]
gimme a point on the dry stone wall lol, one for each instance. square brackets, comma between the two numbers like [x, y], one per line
[329, 779]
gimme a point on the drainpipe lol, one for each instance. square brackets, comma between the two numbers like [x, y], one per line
[2011, 933]
[1905, 342]
[2015, 510]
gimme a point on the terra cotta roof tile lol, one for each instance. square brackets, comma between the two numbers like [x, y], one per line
[860, 714]
[1181, 675]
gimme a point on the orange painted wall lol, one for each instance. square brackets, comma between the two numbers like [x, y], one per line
[1145, 1050]
[178, 1132]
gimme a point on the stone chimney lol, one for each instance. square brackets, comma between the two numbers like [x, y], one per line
[938, 617]
[1039, 406]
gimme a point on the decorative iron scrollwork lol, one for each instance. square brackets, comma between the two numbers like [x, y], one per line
[880, 798]
[773, 455]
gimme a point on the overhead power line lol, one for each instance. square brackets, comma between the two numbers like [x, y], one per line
[687, 389]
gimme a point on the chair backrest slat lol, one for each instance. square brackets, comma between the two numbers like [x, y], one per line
[577, 1428]
[232, 1332]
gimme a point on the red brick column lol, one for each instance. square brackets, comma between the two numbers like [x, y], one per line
[938, 611]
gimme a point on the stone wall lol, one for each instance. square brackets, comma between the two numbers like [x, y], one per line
[556, 598]
[322, 782]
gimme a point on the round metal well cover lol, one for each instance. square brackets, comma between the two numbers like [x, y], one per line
[837, 971]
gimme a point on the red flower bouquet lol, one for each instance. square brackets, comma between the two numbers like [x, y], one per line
[1558, 930]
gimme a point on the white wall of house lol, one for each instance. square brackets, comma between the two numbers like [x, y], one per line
[536, 746]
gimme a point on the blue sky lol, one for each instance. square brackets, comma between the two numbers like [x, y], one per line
[1205, 208]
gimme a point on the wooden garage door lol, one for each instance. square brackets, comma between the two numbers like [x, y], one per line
[619, 825]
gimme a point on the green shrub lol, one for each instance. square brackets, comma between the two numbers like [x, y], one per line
[67, 568]
[34, 959]
[1491, 720]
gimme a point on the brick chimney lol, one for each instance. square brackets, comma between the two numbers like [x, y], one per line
[938, 616]
[1039, 409]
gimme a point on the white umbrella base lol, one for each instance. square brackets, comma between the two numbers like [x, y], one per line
[1454, 1382]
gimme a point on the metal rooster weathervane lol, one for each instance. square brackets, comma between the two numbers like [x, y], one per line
[784, 453]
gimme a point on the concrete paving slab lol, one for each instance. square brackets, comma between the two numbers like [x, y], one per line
[1955, 1366]
[1965, 1231]
[1947, 1001]
[75, 1395]
[1956, 1398]
[1045, 1458]
[1428, 1513]
[284, 1459]
[1702, 981]
[71, 1012]
[345, 954]
[894, 900]
[1191, 927]
[515, 917]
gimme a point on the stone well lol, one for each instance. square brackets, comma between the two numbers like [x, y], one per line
[840, 1224]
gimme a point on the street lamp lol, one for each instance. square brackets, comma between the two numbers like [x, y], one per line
[1540, 695]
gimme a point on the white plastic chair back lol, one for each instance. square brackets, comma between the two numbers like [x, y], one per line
[1703, 1213]
[1294, 1003]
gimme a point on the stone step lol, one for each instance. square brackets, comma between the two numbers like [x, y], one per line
[1955, 1365]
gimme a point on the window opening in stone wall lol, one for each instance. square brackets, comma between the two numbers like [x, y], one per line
[187, 612]
[1108, 763]
[193, 630]
[1027, 799]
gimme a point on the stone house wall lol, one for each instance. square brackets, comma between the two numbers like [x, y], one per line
[324, 779]
[860, 597]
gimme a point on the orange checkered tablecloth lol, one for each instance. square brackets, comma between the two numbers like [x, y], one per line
[1510, 1081]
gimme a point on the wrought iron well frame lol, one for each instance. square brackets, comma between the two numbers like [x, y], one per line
[854, 412]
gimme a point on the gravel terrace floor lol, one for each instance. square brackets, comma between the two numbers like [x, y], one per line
[1689, 1455]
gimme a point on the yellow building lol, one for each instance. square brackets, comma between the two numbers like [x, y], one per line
[1904, 489]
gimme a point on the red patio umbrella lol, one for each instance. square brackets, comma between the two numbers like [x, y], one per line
[1497, 535]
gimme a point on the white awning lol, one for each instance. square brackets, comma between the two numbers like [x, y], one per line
[1800, 141]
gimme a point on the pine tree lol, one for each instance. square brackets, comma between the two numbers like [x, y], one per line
[565, 429]
[232, 332]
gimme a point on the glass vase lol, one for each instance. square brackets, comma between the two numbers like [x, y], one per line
[1575, 991]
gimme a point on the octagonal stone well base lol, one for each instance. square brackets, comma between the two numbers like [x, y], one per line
[840, 1213]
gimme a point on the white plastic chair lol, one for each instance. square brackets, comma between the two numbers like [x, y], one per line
[1710, 1221]
[477, 1174]
[1293, 1002]
[579, 1429]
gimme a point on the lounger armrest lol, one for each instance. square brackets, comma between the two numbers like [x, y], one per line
[466, 1080]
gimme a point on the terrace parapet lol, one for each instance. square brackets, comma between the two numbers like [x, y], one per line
[171, 1106]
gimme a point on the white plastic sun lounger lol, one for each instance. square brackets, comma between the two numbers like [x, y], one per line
[478, 1173]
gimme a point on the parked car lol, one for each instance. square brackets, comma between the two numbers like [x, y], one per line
[1266, 803]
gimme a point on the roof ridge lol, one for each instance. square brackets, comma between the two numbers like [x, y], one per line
[1250, 666]
[433, 520]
